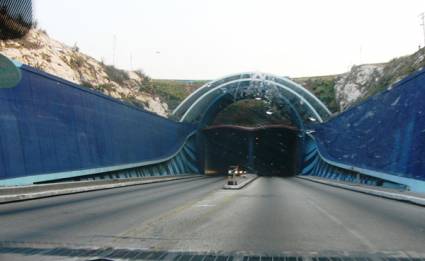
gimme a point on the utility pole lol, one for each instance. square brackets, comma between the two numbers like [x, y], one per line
[114, 49]
[361, 55]
[422, 17]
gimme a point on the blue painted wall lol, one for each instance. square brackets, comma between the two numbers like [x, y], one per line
[386, 133]
[49, 125]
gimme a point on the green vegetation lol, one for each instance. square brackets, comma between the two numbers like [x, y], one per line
[87, 84]
[250, 113]
[116, 75]
[106, 86]
[172, 92]
[27, 44]
[46, 57]
[397, 69]
[74, 61]
[323, 88]
[132, 100]
[101, 87]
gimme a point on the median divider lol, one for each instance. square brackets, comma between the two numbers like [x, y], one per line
[242, 181]
[408, 197]
[20, 193]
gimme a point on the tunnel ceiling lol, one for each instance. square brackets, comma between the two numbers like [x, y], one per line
[301, 105]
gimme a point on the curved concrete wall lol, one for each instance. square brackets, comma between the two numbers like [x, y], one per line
[51, 126]
[383, 137]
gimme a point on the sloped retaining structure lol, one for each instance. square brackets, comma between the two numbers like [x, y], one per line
[378, 142]
[52, 129]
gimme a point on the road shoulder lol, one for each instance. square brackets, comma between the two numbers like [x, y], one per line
[15, 194]
[417, 199]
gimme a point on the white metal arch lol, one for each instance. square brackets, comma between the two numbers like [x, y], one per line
[223, 85]
[300, 87]
[252, 76]
[206, 85]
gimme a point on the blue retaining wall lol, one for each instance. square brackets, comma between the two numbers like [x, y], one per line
[316, 165]
[49, 125]
[384, 134]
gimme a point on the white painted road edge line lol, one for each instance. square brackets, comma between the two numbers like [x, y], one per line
[58, 192]
[384, 194]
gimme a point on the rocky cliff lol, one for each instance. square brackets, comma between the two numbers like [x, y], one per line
[338, 92]
[344, 90]
[37, 49]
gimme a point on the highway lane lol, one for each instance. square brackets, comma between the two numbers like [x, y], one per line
[270, 215]
[95, 217]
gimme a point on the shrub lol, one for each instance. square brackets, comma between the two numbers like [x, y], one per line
[138, 103]
[116, 75]
[104, 87]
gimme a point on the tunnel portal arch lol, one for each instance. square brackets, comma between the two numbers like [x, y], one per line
[303, 106]
[299, 104]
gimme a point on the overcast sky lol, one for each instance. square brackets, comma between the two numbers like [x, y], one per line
[207, 39]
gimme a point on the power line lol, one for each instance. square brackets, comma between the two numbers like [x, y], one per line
[422, 17]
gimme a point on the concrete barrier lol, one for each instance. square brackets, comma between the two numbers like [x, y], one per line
[241, 182]
[400, 196]
[13, 194]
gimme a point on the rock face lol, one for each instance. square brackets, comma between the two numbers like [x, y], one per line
[37, 49]
[337, 91]
[344, 90]
[353, 85]
[365, 80]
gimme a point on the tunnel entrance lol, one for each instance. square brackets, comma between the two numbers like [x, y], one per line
[283, 109]
[269, 150]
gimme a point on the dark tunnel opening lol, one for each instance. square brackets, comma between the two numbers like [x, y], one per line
[267, 150]
[252, 120]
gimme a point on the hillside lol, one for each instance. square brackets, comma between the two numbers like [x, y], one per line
[338, 92]
[172, 92]
[37, 49]
[344, 90]
[322, 87]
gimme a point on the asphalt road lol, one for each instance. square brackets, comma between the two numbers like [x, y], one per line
[98, 217]
[270, 215]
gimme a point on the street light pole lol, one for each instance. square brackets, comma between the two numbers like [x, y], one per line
[114, 49]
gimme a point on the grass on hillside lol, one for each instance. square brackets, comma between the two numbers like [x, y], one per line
[397, 69]
[251, 113]
[323, 88]
[171, 92]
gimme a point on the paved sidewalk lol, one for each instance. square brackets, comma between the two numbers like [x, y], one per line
[400, 195]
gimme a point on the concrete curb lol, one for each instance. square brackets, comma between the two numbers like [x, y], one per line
[241, 185]
[383, 194]
[78, 189]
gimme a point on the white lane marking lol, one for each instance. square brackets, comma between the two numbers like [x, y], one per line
[205, 205]
[363, 239]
